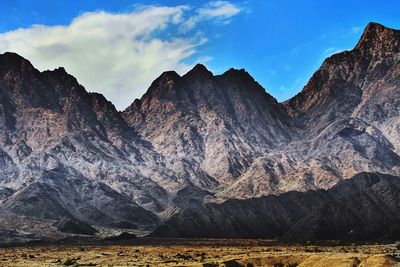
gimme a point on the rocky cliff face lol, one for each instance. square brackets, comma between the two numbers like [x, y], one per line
[66, 152]
[346, 121]
[69, 155]
[209, 128]
[228, 136]
[361, 83]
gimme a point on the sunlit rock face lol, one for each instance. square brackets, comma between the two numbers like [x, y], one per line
[228, 136]
[66, 154]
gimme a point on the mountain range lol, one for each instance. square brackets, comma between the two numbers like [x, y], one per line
[203, 155]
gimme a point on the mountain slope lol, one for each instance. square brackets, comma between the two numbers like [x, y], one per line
[365, 207]
[51, 127]
[226, 135]
[210, 127]
[67, 155]
[346, 121]
[356, 83]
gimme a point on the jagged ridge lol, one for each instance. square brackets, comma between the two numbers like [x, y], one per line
[192, 139]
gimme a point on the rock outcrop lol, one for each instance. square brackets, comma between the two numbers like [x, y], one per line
[74, 226]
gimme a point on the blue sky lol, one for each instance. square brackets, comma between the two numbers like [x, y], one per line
[280, 43]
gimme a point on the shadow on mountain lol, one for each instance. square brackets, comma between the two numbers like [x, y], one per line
[366, 207]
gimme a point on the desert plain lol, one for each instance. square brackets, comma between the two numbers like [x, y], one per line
[204, 252]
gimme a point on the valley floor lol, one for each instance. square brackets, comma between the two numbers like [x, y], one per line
[202, 253]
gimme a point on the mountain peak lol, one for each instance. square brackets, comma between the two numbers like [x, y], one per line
[233, 70]
[11, 56]
[200, 67]
[199, 70]
[237, 73]
[376, 34]
[13, 60]
[162, 86]
[169, 76]
[374, 26]
[240, 76]
[60, 69]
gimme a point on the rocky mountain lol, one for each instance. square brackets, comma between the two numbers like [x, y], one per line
[346, 121]
[63, 150]
[228, 136]
[365, 207]
[210, 128]
[193, 143]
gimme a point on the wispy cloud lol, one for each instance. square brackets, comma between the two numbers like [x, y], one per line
[219, 11]
[330, 51]
[356, 29]
[292, 87]
[118, 54]
[288, 67]
[286, 91]
[204, 59]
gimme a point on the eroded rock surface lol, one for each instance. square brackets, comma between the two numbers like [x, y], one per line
[193, 139]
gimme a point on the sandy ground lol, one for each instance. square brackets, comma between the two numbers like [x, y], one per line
[210, 253]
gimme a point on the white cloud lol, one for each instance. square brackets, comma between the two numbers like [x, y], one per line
[118, 55]
[221, 11]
